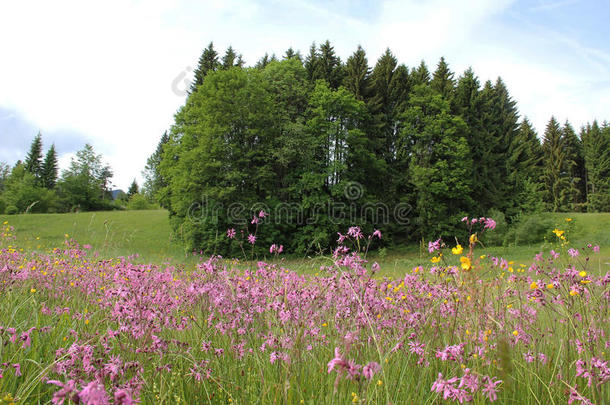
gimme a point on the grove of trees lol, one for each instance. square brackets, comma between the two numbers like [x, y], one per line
[35, 185]
[291, 136]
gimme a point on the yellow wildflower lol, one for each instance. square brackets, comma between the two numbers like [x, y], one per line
[466, 265]
[533, 286]
[550, 286]
[435, 259]
[573, 292]
[33, 290]
[515, 332]
[558, 232]
[457, 250]
[583, 274]
[568, 219]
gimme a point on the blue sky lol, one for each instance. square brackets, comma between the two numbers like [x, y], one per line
[106, 72]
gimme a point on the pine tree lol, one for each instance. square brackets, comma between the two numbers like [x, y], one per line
[133, 189]
[49, 168]
[290, 53]
[442, 80]
[556, 174]
[525, 169]
[153, 180]
[358, 75]
[576, 163]
[390, 86]
[228, 60]
[208, 62]
[596, 147]
[420, 75]
[33, 160]
[330, 65]
[313, 64]
[263, 62]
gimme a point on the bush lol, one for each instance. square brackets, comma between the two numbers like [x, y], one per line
[12, 210]
[531, 229]
[139, 202]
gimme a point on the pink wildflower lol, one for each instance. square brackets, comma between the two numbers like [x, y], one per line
[370, 370]
[94, 394]
[251, 239]
[573, 252]
[231, 233]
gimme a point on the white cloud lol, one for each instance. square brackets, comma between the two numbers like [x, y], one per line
[105, 69]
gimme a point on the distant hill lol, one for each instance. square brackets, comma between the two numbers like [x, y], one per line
[116, 193]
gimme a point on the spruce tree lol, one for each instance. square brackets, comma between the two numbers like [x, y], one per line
[330, 65]
[153, 180]
[290, 53]
[420, 75]
[133, 189]
[358, 75]
[49, 168]
[262, 62]
[390, 86]
[228, 60]
[525, 169]
[556, 173]
[596, 147]
[313, 65]
[33, 160]
[208, 62]
[442, 80]
[576, 163]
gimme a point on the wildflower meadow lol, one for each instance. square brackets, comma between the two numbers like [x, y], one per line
[76, 327]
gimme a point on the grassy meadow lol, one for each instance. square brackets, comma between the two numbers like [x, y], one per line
[148, 234]
[83, 320]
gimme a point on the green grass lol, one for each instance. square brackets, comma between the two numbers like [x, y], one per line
[147, 233]
[111, 233]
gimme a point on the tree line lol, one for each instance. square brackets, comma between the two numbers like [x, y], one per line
[34, 185]
[297, 131]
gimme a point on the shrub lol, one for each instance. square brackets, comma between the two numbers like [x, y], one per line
[139, 202]
[12, 210]
[531, 229]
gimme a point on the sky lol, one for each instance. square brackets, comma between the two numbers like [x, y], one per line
[114, 73]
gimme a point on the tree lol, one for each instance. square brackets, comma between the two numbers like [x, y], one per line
[357, 75]
[33, 160]
[313, 64]
[49, 169]
[84, 185]
[421, 74]
[153, 180]
[330, 65]
[133, 189]
[442, 80]
[556, 174]
[208, 62]
[217, 155]
[576, 167]
[439, 165]
[290, 53]
[23, 194]
[228, 60]
[5, 171]
[525, 160]
[596, 148]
